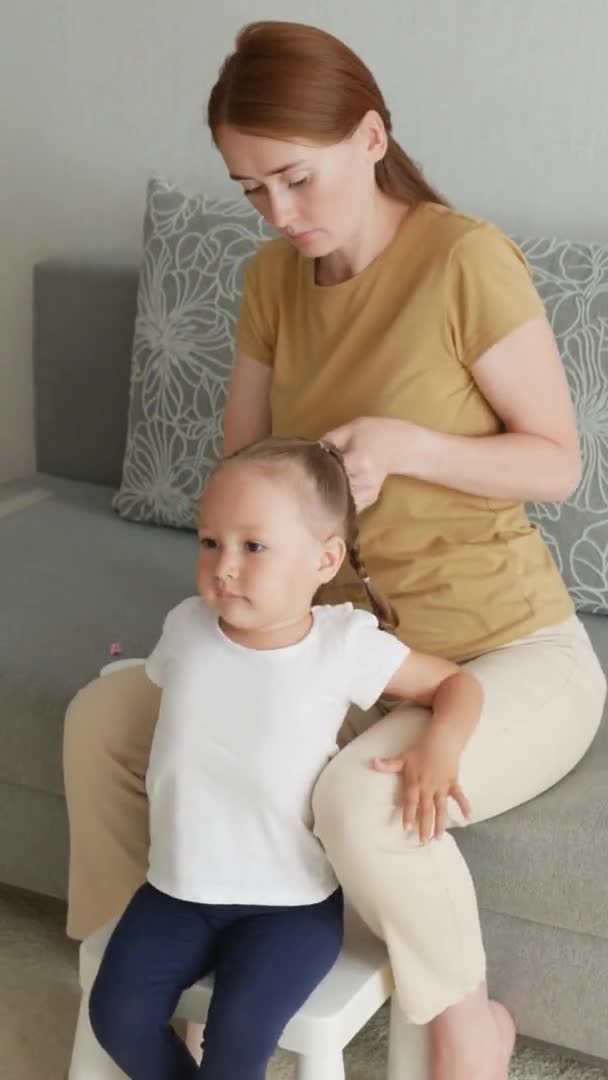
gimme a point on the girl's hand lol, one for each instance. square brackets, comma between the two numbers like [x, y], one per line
[370, 445]
[429, 772]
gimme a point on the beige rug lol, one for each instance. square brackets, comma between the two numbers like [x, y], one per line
[39, 1001]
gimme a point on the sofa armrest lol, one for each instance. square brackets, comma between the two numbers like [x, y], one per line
[84, 315]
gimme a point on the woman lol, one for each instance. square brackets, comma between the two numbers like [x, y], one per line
[411, 337]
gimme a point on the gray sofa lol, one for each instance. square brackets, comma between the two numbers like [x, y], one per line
[76, 577]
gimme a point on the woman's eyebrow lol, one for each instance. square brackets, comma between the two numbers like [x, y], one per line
[273, 172]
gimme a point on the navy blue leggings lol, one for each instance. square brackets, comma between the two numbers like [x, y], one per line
[267, 960]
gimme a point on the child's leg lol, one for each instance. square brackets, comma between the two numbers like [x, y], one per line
[160, 946]
[267, 966]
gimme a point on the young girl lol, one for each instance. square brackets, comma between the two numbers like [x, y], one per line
[256, 682]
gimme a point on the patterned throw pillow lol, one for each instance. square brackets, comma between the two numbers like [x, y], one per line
[573, 282]
[194, 252]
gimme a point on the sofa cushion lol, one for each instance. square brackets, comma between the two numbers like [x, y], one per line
[572, 280]
[547, 860]
[80, 578]
[195, 250]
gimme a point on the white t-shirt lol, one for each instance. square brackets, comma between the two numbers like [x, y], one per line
[241, 739]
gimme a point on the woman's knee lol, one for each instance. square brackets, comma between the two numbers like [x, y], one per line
[358, 819]
[332, 801]
[344, 822]
[350, 792]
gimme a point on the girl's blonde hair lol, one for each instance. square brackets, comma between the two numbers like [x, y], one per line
[324, 466]
[289, 81]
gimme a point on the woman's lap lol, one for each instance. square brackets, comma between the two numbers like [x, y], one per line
[543, 703]
[543, 700]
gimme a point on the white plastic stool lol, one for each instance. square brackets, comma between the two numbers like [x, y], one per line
[358, 984]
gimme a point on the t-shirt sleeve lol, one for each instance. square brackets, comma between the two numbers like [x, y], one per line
[256, 332]
[156, 664]
[490, 292]
[372, 658]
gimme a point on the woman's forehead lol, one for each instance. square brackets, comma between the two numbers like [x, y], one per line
[250, 156]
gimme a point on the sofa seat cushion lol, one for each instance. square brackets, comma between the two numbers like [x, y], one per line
[548, 860]
[76, 577]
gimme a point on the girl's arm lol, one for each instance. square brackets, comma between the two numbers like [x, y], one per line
[454, 696]
[429, 768]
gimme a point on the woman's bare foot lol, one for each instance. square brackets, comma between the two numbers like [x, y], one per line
[472, 1040]
[507, 1030]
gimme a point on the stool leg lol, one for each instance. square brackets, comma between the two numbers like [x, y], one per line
[89, 1060]
[408, 1049]
[320, 1067]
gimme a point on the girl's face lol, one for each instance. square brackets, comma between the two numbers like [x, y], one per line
[260, 561]
[317, 196]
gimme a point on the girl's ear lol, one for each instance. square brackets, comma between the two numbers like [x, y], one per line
[332, 556]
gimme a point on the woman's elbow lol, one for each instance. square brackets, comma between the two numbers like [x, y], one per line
[569, 476]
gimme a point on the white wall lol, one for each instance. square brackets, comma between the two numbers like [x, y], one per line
[503, 102]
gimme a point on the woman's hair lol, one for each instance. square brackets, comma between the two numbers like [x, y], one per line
[289, 81]
[323, 465]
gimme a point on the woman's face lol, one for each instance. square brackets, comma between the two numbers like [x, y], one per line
[316, 196]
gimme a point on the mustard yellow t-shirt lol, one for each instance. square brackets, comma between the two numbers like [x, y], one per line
[465, 573]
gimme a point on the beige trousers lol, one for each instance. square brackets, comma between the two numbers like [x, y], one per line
[543, 701]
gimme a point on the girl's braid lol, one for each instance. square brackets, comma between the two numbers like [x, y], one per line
[384, 612]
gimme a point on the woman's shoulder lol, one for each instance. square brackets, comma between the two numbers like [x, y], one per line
[272, 260]
[452, 233]
[488, 289]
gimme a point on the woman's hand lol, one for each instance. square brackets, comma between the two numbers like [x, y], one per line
[429, 771]
[369, 446]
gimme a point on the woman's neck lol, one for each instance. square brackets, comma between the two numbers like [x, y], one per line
[373, 236]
